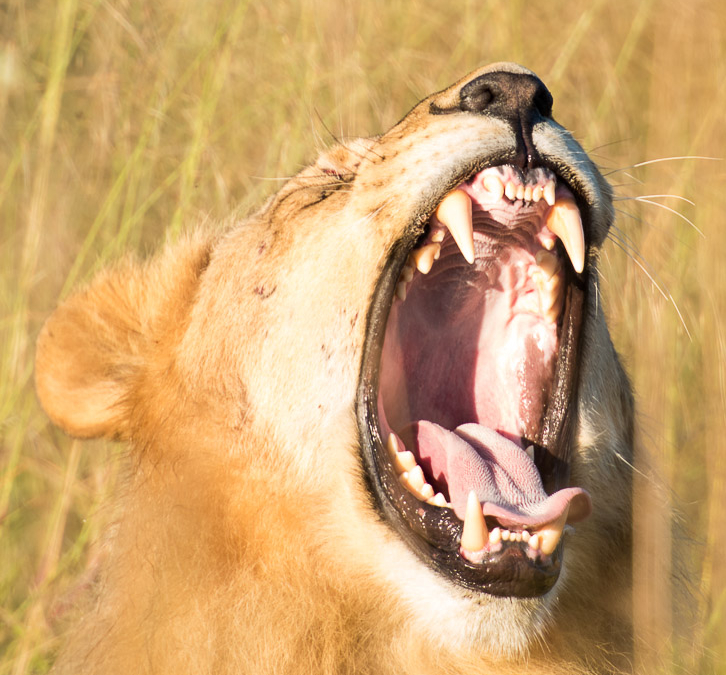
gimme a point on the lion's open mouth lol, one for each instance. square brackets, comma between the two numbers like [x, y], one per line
[469, 371]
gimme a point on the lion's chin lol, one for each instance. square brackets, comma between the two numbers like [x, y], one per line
[468, 379]
[462, 620]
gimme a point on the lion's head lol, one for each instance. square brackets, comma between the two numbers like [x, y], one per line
[395, 374]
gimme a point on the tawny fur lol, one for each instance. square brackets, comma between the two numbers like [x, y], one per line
[247, 541]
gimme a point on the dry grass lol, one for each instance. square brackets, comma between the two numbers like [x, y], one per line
[122, 120]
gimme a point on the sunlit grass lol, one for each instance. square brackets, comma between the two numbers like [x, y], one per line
[122, 123]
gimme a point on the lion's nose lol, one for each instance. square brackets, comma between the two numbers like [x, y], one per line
[506, 95]
[519, 98]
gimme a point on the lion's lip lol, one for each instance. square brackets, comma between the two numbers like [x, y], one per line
[457, 348]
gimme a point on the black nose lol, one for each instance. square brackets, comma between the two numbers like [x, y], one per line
[511, 96]
[518, 98]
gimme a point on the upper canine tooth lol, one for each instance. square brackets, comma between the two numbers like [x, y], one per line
[564, 221]
[424, 257]
[494, 185]
[455, 212]
[474, 536]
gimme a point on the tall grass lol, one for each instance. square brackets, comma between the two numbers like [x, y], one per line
[122, 122]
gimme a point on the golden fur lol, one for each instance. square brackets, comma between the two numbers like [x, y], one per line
[247, 540]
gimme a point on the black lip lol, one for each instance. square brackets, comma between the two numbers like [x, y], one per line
[432, 532]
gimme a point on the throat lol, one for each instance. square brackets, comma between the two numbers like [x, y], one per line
[470, 345]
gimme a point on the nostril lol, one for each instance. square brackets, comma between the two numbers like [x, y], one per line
[476, 96]
[542, 102]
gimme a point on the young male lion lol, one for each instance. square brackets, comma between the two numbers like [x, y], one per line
[378, 426]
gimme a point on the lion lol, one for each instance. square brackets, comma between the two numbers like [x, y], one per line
[378, 426]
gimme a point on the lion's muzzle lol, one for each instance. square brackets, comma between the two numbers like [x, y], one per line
[470, 374]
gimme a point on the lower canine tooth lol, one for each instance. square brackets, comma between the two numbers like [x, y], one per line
[474, 535]
[550, 536]
[455, 212]
[564, 221]
[424, 257]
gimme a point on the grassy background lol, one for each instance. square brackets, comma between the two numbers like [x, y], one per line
[121, 121]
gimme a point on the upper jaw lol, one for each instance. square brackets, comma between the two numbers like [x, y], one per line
[519, 555]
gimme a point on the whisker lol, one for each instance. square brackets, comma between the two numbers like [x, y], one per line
[619, 239]
[639, 197]
[670, 210]
[636, 258]
[663, 159]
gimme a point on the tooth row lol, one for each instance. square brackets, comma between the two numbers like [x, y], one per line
[411, 474]
[475, 537]
[455, 214]
[563, 219]
[515, 191]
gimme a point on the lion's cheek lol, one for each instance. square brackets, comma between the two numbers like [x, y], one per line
[295, 340]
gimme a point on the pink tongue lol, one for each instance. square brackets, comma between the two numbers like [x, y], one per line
[509, 487]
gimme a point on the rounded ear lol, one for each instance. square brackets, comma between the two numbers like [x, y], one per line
[89, 353]
[96, 348]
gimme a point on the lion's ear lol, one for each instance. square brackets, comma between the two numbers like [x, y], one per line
[89, 353]
[94, 349]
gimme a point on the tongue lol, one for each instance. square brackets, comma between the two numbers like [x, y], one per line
[505, 479]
